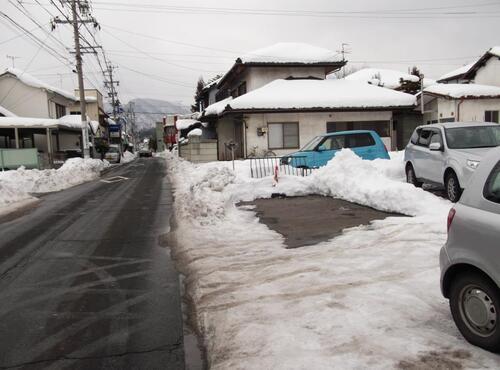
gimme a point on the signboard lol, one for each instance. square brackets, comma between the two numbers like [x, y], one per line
[115, 131]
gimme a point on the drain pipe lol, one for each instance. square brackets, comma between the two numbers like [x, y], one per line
[458, 109]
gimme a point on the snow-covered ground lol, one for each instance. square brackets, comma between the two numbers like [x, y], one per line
[367, 299]
[128, 157]
[16, 186]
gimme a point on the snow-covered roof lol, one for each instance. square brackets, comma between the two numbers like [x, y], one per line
[195, 132]
[212, 83]
[457, 72]
[69, 122]
[495, 50]
[464, 90]
[217, 108]
[382, 77]
[6, 113]
[34, 82]
[186, 123]
[321, 95]
[291, 52]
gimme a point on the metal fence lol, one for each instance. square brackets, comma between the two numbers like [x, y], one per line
[294, 166]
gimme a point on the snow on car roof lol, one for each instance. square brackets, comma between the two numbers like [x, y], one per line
[321, 94]
[35, 82]
[464, 90]
[291, 52]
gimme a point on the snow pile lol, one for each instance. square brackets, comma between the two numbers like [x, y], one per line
[35, 82]
[290, 52]
[367, 299]
[195, 132]
[314, 94]
[127, 157]
[10, 195]
[73, 172]
[464, 90]
[183, 124]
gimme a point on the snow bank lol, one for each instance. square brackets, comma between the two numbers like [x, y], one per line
[367, 299]
[17, 185]
[326, 94]
[127, 157]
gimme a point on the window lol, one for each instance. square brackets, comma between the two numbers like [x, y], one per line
[242, 89]
[360, 140]
[334, 142]
[492, 187]
[473, 137]
[424, 138]
[60, 110]
[414, 136]
[283, 135]
[380, 127]
[491, 116]
[436, 138]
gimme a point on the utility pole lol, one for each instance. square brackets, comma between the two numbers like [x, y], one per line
[75, 21]
[111, 86]
[13, 59]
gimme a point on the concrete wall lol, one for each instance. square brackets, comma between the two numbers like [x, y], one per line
[310, 126]
[489, 74]
[23, 100]
[259, 76]
[199, 150]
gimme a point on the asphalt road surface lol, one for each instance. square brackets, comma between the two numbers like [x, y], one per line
[85, 282]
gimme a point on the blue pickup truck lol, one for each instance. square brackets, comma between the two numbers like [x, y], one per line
[365, 143]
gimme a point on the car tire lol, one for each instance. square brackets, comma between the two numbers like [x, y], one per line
[475, 307]
[452, 187]
[411, 178]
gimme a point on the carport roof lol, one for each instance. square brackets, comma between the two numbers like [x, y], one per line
[37, 123]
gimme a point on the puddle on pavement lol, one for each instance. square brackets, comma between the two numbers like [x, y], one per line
[311, 219]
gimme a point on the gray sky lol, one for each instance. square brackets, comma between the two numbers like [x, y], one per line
[183, 44]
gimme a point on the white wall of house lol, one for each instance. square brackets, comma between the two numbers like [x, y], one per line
[489, 74]
[470, 109]
[310, 125]
[23, 100]
[257, 77]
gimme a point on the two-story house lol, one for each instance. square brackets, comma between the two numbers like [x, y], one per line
[470, 93]
[27, 96]
[94, 107]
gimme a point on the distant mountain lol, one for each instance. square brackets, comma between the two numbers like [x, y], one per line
[149, 111]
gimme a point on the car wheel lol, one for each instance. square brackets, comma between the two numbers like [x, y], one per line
[475, 305]
[453, 190]
[411, 178]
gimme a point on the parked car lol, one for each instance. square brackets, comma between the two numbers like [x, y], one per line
[113, 154]
[470, 269]
[447, 154]
[365, 143]
[145, 152]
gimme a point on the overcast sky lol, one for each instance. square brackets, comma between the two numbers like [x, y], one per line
[173, 46]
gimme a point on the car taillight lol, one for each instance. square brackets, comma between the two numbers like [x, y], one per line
[451, 216]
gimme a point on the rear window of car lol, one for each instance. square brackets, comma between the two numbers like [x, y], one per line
[113, 150]
[492, 186]
[360, 140]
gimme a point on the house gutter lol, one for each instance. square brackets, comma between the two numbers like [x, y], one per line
[458, 108]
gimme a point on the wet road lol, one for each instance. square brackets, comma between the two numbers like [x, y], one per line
[85, 282]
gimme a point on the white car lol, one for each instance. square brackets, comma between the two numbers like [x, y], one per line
[446, 154]
[113, 154]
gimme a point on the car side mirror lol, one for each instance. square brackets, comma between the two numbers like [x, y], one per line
[435, 146]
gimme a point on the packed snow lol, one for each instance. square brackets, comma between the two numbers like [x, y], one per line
[35, 82]
[291, 52]
[18, 185]
[321, 94]
[127, 157]
[464, 90]
[366, 299]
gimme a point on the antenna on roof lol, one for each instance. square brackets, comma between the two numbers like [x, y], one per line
[344, 50]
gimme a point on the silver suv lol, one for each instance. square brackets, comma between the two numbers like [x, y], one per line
[446, 154]
[470, 269]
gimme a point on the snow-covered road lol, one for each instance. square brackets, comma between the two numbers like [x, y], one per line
[367, 299]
